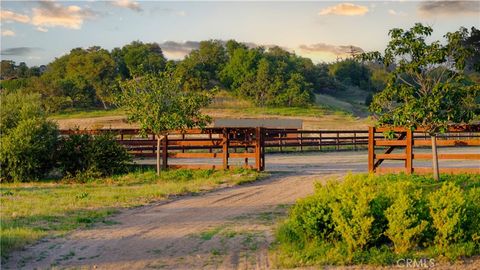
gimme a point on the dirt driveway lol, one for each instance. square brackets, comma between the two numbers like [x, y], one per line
[230, 228]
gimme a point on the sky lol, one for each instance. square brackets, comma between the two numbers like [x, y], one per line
[36, 32]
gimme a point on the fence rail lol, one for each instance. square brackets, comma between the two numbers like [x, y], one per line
[229, 145]
[409, 140]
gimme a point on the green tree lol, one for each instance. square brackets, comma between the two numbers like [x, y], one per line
[200, 69]
[140, 58]
[7, 70]
[427, 88]
[351, 72]
[158, 104]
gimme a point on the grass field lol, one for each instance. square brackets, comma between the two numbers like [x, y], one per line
[327, 113]
[34, 210]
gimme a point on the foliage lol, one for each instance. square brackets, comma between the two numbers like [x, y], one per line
[28, 139]
[9, 70]
[352, 213]
[447, 209]
[137, 59]
[427, 88]
[377, 219]
[158, 104]
[81, 156]
[405, 224]
[31, 211]
[351, 72]
[27, 151]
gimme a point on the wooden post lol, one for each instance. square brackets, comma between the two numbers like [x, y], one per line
[320, 141]
[301, 142]
[258, 144]
[183, 139]
[280, 141]
[371, 149]
[354, 141]
[225, 149]
[153, 148]
[165, 152]
[210, 137]
[338, 141]
[409, 152]
[262, 149]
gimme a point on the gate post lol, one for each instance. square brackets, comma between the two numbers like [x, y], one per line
[225, 149]
[258, 149]
[165, 152]
[371, 149]
[409, 152]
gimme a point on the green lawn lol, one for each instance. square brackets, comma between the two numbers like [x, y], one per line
[30, 211]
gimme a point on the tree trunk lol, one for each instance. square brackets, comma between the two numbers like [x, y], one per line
[436, 172]
[159, 139]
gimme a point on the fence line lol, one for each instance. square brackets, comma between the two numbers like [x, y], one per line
[403, 138]
[250, 144]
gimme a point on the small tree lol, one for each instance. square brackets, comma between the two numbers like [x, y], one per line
[427, 88]
[158, 104]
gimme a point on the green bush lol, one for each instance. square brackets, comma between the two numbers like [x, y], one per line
[352, 213]
[84, 156]
[447, 209]
[107, 156]
[313, 217]
[28, 142]
[73, 153]
[405, 226]
[28, 151]
[378, 219]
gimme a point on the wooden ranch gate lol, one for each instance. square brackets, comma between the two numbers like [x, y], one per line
[410, 140]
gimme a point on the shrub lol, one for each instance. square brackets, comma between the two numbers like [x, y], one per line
[352, 214]
[27, 146]
[447, 208]
[472, 213]
[378, 219]
[106, 156]
[405, 226]
[27, 151]
[85, 156]
[73, 153]
[313, 216]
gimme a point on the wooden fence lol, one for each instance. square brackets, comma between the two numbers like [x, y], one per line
[224, 148]
[408, 141]
[203, 147]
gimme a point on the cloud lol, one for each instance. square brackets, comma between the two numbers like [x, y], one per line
[10, 16]
[133, 5]
[8, 33]
[433, 8]
[172, 47]
[20, 51]
[51, 14]
[346, 9]
[41, 29]
[395, 13]
[341, 50]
